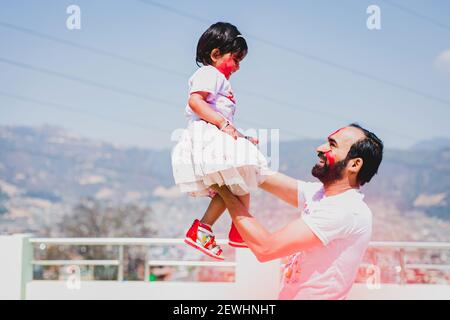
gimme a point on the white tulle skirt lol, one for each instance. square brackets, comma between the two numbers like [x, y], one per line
[205, 156]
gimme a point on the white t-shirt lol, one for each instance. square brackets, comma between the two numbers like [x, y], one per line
[221, 98]
[343, 223]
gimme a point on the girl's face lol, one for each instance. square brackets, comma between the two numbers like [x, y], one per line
[227, 63]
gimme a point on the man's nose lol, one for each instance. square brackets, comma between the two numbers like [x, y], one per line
[323, 148]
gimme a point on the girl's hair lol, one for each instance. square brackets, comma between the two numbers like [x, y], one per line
[223, 36]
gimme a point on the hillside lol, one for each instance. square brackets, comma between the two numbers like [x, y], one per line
[45, 171]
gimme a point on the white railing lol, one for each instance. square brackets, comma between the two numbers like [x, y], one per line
[400, 247]
[409, 244]
[403, 247]
[120, 243]
[253, 280]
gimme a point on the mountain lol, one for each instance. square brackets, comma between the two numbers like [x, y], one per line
[415, 179]
[45, 171]
[55, 165]
[432, 144]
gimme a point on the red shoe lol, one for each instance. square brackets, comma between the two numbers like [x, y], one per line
[235, 239]
[201, 237]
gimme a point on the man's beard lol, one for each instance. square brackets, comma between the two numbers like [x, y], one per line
[327, 175]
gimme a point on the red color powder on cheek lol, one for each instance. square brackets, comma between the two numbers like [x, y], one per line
[226, 67]
[330, 158]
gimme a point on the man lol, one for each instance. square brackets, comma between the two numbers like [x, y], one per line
[327, 243]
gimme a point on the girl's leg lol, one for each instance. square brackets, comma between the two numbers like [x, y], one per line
[215, 209]
[200, 234]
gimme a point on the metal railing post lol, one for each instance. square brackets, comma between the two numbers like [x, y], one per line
[120, 268]
[146, 265]
[27, 267]
[402, 266]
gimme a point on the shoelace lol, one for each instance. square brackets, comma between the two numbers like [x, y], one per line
[211, 243]
[214, 247]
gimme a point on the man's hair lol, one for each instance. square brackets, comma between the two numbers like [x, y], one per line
[370, 149]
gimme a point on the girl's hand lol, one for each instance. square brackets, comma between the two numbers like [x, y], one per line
[229, 129]
[253, 140]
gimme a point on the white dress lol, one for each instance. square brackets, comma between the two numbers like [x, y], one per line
[204, 155]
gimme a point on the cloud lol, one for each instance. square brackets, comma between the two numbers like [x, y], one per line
[169, 193]
[105, 193]
[93, 179]
[442, 61]
[425, 200]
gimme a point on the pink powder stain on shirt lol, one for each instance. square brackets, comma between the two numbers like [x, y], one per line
[231, 97]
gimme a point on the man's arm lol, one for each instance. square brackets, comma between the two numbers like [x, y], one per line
[266, 246]
[283, 187]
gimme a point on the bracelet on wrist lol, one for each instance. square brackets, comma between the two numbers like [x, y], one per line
[224, 125]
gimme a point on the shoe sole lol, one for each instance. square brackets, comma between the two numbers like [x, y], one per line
[193, 244]
[237, 244]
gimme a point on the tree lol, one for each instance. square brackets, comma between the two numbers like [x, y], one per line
[93, 219]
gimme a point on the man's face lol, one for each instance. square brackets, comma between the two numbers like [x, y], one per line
[332, 163]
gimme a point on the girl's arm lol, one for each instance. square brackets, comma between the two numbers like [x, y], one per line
[198, 104]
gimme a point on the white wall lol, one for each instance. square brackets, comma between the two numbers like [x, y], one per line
[212, 291]
[15, 267]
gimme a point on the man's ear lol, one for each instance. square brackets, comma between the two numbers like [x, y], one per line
[356, 165]
[215, 54]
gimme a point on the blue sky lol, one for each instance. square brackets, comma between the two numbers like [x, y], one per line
[317, 67]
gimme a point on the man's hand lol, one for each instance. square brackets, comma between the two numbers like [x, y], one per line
[295, 236]
[216, 187]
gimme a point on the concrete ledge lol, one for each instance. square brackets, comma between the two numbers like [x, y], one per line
[400, 292]
[113, 290]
